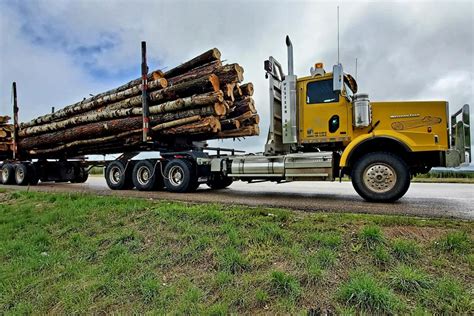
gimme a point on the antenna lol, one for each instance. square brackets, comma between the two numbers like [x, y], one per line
[356, 69]
[338, 35]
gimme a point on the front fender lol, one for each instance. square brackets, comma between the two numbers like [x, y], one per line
[404, 140]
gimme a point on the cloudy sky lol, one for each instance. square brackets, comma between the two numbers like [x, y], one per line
[60, 51]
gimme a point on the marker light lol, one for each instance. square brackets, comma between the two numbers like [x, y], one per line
[318, 65]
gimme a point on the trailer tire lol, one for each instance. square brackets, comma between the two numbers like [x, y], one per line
[220, 182]
[8, 174]
[381, 177]
[22, 176]
[33, 175]
[180, 176]
[81, 176]
[146, 177]
[117, 176]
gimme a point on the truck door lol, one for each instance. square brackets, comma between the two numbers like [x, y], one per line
[323, 112]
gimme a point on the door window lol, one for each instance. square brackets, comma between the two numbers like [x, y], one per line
[321, 92]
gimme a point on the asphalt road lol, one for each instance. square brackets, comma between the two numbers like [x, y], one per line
[423, 199]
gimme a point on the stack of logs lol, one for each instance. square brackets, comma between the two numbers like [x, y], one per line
[6, 135]
[198, 100]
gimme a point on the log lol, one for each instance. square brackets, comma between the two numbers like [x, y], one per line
[252, 130]
[237, 91]
[114, 126]
[209, 124]
[228, 90]
[243, 105]
[227, 124]
[170, 106]
[178, 122]
[4, 119]
[195, 73]
[247, 89]
[96, 101]
[231, 73]
[184, 89]
[77, 143]
[206, 57]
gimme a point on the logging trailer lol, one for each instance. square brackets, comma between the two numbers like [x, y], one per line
[320, 129]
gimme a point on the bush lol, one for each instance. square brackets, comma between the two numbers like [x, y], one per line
[364, 293]
[408, 280]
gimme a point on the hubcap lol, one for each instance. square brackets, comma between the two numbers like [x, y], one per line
[176, 175]
[380, 177]
[4, 175]
[20, 175]
[143, 175]
[115, 175]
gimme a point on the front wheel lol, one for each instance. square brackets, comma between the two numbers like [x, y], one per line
[220, 182]
[381, 177]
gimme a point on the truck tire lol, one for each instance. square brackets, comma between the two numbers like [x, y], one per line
[146, 177]
[220, 182]
[21, 174]
[381, 177]
[180, 176]
[8, 174]
[117, 176]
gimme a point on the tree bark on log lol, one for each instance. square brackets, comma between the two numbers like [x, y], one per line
[204, 58]
[207, 125]
[96, 101]
[231, 73]
[184, 89]
[77, 143]
[178, 122]
[195, 73]
[228, 124]
[243, 105]
[178, 104]
[251, 130]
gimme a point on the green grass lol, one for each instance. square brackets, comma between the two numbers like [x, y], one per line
[405, 249]
[364, 292]
[77, 253]
[371, 236]
[408, 279]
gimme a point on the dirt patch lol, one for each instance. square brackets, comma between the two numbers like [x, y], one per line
[419, 234]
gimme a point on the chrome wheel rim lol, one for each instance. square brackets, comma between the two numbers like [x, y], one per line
[380, 177]
[4, 174]
[143, 175]
[115, 175]
[176, 175]
[20, 175]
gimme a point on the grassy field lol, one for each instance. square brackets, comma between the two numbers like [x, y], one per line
[72, 253]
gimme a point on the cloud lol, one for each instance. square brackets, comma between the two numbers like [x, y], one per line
[60, 51]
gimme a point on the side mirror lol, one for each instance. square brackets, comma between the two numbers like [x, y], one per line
[338, 77]
[267, 65]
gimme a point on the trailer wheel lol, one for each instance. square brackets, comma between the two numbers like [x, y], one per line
[146, 177]
[180, 176]
[8, 174]
[33, 174]
[21, 174]
[117, 176]
[81, 176]
[381, 177]
[220, 182]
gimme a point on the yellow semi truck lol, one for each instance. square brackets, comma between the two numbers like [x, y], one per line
[321, 128]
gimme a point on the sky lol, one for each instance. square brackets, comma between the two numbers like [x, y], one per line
[61, 51]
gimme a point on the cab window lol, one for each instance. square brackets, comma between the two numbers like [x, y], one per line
[321, 92]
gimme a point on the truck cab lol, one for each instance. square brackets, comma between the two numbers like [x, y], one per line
[380, 145]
